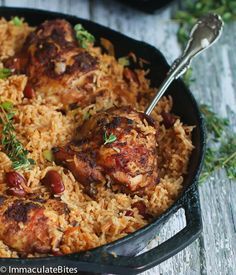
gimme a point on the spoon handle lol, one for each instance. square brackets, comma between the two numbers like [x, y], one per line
[205, 32]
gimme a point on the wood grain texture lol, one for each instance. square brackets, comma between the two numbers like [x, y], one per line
[215, 84]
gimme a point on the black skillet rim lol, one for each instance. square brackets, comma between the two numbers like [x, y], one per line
[149, 6]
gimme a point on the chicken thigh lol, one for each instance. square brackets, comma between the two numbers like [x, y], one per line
[118, 146]
[55, 63]
[29, 226]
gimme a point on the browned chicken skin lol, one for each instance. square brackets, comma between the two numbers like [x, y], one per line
[28, 225]
[54, 62]
[128, 161]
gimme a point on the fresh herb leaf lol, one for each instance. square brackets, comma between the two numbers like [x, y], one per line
[227, 156]
[221, 147]
[84, 37]
[214, 123]
[109, 139]
[11, 145]
[223, 157]
[4, 73]
[17, 21]
[7, 105]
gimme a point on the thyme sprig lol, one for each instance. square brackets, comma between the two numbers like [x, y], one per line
[214, 124]
[109, 139]
[221, 146]
[223, 157]
[83, 36]
[10, 144]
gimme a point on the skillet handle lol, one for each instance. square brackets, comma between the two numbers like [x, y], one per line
[107, 263]
[172, 246]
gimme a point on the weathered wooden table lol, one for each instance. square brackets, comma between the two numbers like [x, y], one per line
[215, 73]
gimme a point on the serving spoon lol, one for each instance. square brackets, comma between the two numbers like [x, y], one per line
[205, 32]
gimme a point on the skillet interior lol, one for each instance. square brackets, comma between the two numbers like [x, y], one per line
[184, 105]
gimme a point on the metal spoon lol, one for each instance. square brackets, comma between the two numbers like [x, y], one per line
[204, 33]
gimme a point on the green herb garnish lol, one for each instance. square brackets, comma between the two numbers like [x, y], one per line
[227, 156]
[215, 124]
[4, 73]
[84, 37]
[109, 139]
[7, 105]
[221, 146]
[17, 21]
[11, 145]
[223, 157]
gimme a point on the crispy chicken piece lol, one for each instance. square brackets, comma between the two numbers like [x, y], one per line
[118, 145]
[55, 64]
[29, 226]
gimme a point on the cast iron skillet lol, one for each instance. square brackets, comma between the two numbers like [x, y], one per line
[147, 5]
[102, 259]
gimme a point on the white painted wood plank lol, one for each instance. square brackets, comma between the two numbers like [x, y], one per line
[219, 227]
[215, 85]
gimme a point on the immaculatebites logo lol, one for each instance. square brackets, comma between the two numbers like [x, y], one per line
[38, 270]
